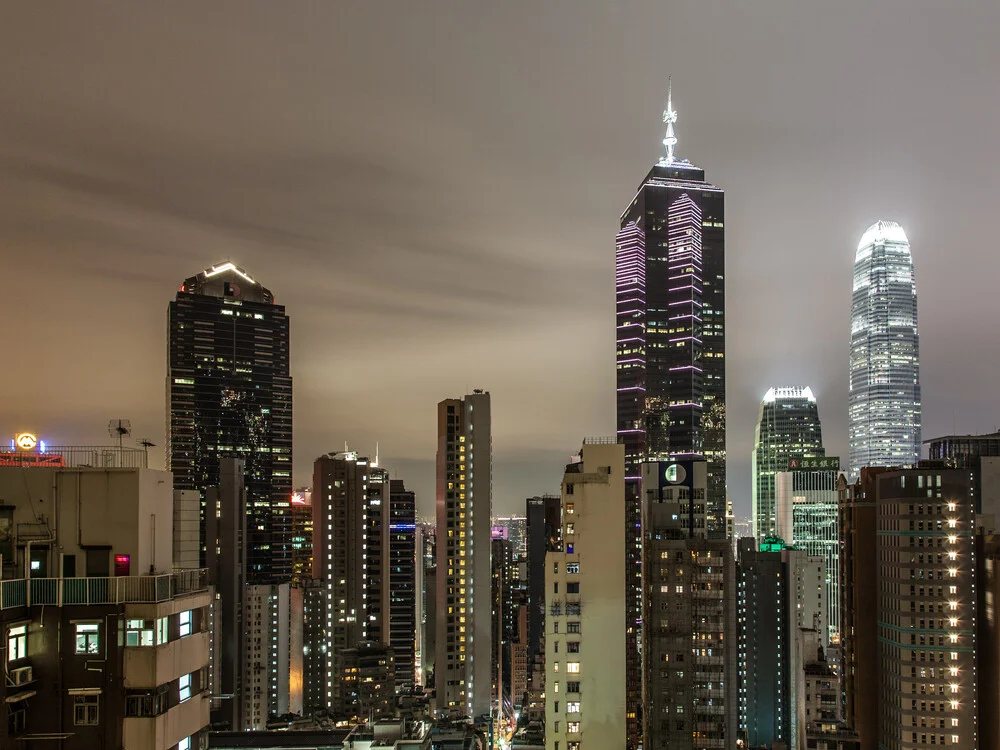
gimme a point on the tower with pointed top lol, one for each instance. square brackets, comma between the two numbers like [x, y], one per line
[670, 353]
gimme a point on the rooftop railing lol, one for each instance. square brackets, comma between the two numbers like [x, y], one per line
[76, 456]
[21, 592]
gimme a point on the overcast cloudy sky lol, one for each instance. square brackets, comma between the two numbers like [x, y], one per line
[433, 188]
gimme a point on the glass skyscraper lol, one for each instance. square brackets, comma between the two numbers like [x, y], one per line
[787, 427]
[884, 427]
[229, 394]
[670, 357]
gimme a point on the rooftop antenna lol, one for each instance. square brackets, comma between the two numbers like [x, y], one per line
[121, 428]
[146, 444]
[669, 117]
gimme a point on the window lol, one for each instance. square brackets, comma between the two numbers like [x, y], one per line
[161, 631]
[555, 587]
[17, 643]
[569, 548]
[146, 702]
[572, 687]
[573, 568]
[573, 727]
[183, 687]
[138, 633]
[570, 528]
[572, 746]
[570, 508]
[88, 638]
[573, 647]
[86, 710]
[573, 707]
[573, 667]
[573, 588]
[184, 621]
[555, 687]
[184, 744]
[572, 627]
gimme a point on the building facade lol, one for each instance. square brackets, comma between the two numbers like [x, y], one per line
[927, 609]
[463, 639]
[585, 634]
[104, 645]
[670, 355]
[403, 592]
[787, 427]
[806, 512]
[229, 393]
[544, 528]
[884, 398]
[689, 613]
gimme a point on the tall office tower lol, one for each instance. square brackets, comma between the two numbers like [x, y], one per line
[229, 393]
[375, 571]
[517, 533]
[859, 605]
[340, 504]
[544, 529]
[302, 520]
[502, 588]
[988, 635]
[403, 578]
[671, 345]
[884, 400]
[689, 613]
[464, 508]
[781, 595]
[806, 517]
[585, 634]
[427, 591]
[787, 427]
[926, 589]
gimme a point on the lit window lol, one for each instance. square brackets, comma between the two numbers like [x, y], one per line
[573, 667]
[88, 639]
[86, 710]
[569, 508]
[183, 688]
[17, 643]
[573, 707]
[184, 623]
[138, 633]
[573, 727]
[184, 744]
[161, 631]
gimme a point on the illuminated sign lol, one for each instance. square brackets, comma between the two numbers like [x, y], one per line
[817, 463]
[25, 441]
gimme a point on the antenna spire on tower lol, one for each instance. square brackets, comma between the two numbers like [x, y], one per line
[669, 117]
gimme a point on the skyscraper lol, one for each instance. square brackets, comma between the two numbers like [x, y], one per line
[671, 345]
[464, 508]
[229, 394]
[884, 403]
[403, 591]
[787, 427]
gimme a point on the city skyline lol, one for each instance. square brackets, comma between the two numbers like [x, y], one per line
[286, 182]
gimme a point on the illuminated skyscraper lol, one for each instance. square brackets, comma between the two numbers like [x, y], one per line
[229, 394]
[670, 359]
[463, 641]
[787, 427]
[885, 356]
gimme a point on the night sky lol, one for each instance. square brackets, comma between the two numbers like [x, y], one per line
[433, 189]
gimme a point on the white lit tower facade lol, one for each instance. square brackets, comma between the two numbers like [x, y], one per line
[884, 403]
[670, 356]
[464, 617]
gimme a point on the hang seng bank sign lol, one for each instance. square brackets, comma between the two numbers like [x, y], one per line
[819, 463]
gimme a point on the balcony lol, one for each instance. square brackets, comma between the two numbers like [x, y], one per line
[20, 592]
[150, 666]
[168, 729]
